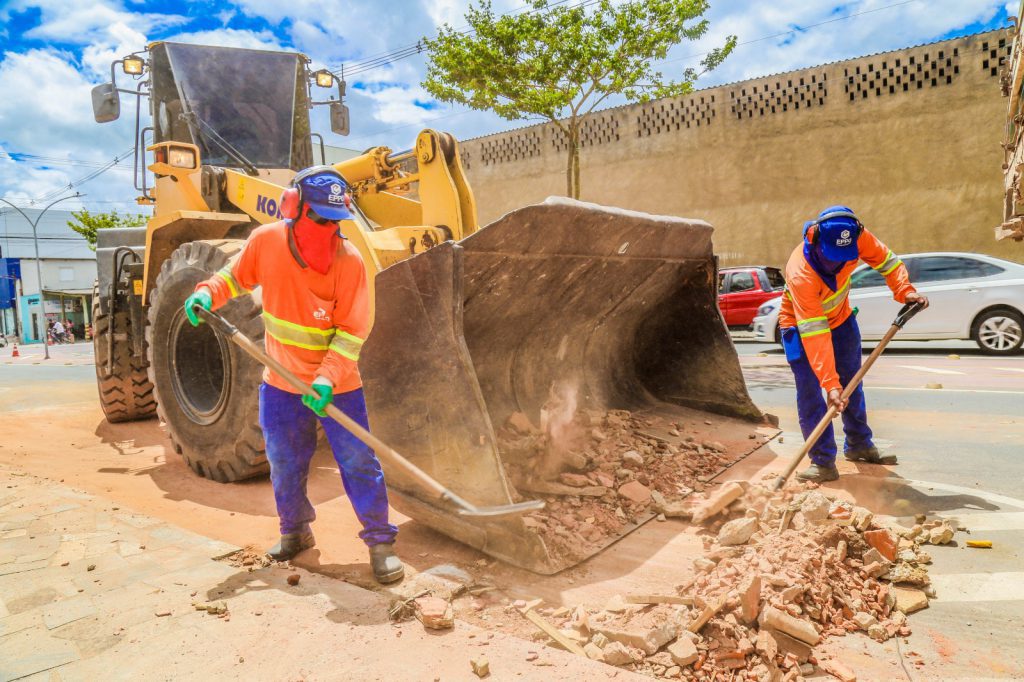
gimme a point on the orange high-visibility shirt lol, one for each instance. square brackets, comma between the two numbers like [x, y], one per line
[315, 324]
[815, 310]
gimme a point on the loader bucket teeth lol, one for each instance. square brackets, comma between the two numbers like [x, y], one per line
[618, 306]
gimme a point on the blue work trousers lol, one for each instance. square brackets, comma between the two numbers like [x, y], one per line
[810, 403]
[289, 428]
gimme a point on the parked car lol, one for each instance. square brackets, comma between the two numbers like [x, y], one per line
[742, 290]
[972, 296]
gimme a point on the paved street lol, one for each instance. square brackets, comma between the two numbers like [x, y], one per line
[959, 448]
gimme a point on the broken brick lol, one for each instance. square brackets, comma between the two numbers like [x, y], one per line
[884, 541]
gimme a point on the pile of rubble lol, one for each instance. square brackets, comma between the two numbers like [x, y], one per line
[781, 573]
[601, 473]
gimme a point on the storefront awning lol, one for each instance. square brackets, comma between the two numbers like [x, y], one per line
[67, 292]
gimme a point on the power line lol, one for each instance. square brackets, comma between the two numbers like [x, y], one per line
[86, 178]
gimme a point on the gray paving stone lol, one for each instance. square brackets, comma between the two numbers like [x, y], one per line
[12, 567]
[68, 610]
[31, 651]
[21, 621]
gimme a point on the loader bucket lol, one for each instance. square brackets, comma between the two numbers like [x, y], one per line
[620, 306]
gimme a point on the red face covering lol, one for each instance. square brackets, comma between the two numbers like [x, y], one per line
[317, 244]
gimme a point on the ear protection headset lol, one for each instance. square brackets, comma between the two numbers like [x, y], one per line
[291, 199]
[811, 231]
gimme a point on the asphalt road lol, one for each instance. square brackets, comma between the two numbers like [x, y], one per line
[959, 447]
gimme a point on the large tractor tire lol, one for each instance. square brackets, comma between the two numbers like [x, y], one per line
[206, 387]
[126, 393]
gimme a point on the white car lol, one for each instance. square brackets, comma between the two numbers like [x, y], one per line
[971, 296]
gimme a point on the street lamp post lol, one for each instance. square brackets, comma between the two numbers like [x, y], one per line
[39, 270]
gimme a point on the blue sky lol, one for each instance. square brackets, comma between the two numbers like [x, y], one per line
[53, 51]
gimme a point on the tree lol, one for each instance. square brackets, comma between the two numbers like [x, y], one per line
[559, 62]
[87, 223]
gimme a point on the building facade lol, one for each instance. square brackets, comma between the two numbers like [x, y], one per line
[67, 266]
[910, 139]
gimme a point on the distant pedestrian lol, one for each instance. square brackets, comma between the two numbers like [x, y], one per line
[820, 333]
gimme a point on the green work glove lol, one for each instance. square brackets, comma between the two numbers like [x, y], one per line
[319, 404]
[200, 298]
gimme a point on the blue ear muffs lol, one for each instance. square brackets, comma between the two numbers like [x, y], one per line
[810, 227]
[291, 199]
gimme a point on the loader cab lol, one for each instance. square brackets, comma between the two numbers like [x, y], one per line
[245, 109]
[241, 108]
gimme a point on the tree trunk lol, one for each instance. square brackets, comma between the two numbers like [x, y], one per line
[572, 166]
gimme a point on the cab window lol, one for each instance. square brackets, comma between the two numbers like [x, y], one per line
[741, 281]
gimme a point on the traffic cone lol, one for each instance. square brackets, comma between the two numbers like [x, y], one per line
[15, 354]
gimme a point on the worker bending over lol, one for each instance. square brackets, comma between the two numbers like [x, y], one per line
[820, 333]
[316, 312]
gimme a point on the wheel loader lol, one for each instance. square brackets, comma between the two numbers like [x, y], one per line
[471, 324]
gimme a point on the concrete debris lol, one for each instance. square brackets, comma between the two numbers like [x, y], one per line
[481, 668]
[215, 608]
[616, 653]
[593, 652]
[293, 579]
[909, 600]
[737, 531]
[726, 495]
[683, 652]
[815, 506]
[435, 613]
[600, 473]
[942, 535]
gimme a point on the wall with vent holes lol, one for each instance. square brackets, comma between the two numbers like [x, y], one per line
[910, 139]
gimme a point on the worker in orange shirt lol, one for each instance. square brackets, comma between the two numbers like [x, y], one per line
[820, 333]
[316, 311]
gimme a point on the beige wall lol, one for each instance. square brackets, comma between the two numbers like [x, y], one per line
[921, 166]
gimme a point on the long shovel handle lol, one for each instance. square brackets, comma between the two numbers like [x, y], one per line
[380, 447]
[906, 312]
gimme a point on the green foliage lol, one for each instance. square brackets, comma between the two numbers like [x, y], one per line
[87, 223]
[560, 62]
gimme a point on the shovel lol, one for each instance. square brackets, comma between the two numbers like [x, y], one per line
[462, 506]
[906, 312]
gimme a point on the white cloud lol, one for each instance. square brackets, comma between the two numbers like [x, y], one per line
[47, 108]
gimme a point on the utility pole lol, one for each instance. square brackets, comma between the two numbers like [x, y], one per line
[39, 269]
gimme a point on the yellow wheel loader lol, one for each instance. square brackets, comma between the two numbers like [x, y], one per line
[471, 324]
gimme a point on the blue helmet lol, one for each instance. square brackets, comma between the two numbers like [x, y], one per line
[838, 229]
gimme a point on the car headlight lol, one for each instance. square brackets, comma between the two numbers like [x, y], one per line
[766, 309]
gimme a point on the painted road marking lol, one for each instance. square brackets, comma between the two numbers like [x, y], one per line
[932, 370]
[988, 521]
[965, 587]
[994, 498]
[939, 390]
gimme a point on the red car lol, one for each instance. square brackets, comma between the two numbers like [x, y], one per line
[742, 290]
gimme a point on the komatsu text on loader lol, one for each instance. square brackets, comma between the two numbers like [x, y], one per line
[471, 324]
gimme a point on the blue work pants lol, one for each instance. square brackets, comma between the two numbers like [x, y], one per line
[289, 428]
[810, 402]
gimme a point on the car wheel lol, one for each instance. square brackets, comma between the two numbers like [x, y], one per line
[778, 334]
[999, 332]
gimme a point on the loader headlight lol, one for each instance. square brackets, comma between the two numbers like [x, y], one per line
[324, 78]
[181, 158]
[133, 66]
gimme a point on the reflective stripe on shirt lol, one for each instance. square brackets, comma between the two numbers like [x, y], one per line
[890, 263]
[233, 286]
[836, 299]
[813, 326]
[347, 345]
[291, 334]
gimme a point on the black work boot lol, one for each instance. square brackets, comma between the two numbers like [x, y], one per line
[819, 474]
[387, 567]
[870, 455]
[290, 545]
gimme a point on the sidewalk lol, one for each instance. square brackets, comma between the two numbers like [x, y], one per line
[90, 591]
[78, 353]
